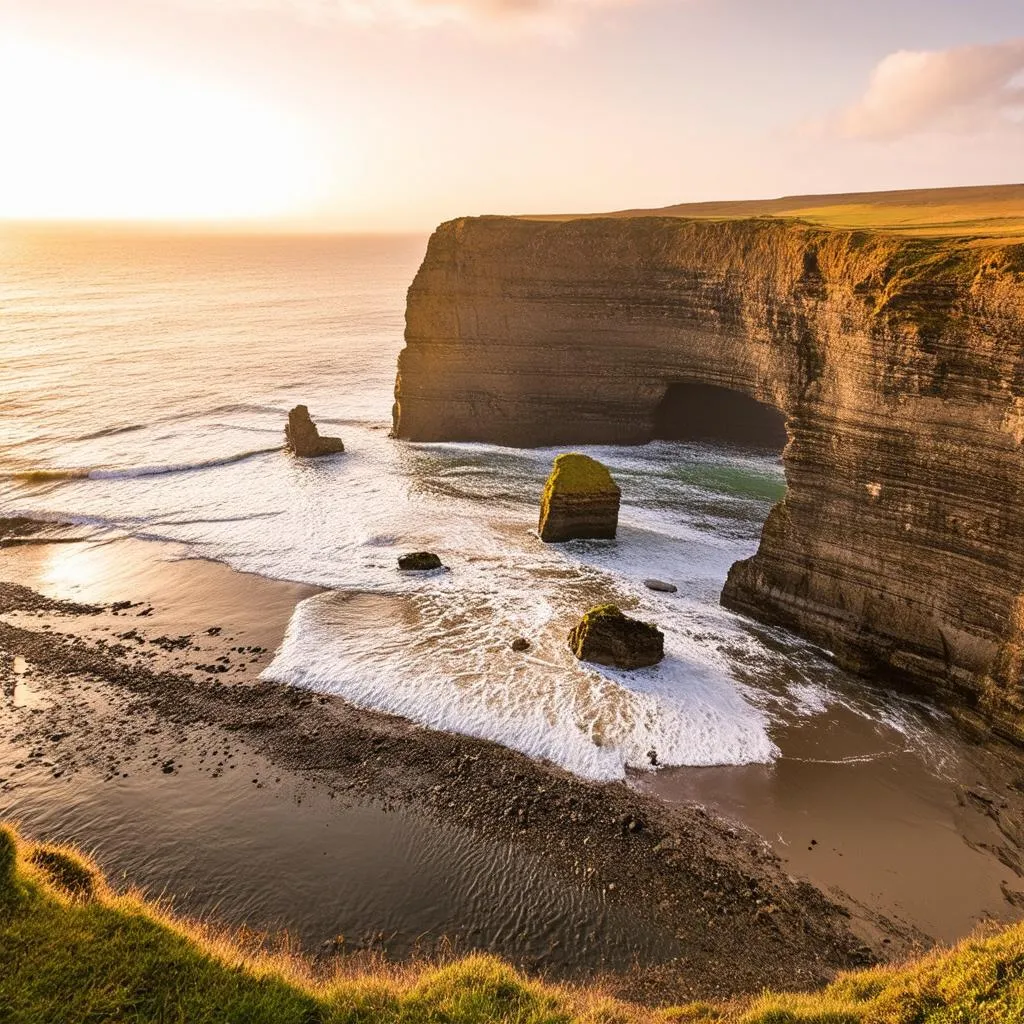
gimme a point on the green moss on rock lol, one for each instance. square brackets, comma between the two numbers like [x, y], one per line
[575, 473]
[580, 501]
[605, 636]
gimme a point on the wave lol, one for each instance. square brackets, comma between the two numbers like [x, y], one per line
[39, 476]
[131, 472]
[442, 659]
[180, 467]
[228, 407]
[112, 432]
[186, 414]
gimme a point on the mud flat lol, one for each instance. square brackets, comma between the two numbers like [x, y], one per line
[926, 830]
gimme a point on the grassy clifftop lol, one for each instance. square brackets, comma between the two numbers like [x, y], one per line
[72, 950]
[983, 211]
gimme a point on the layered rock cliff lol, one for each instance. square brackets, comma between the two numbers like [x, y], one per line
[897, 362]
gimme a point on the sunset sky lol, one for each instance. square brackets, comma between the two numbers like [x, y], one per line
[397, 114]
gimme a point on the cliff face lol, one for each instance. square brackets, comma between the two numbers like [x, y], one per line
[897, 362]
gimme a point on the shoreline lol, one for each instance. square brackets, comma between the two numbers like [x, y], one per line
[736, 921]
[142, 663]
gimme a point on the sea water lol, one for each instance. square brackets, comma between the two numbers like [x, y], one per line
[146, 379]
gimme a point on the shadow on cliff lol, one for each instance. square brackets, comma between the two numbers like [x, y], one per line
[705, 412]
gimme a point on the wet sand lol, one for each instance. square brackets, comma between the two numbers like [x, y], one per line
[929, 837]
[271, 806]
[172, 596]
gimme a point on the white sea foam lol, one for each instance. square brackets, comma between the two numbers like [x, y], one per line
[448, 665]
[438, 652]
[131, 472]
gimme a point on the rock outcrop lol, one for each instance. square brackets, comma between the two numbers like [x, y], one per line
[302, 437]
[897, 362]
[605, 636]
[419, 561]
[580, 501]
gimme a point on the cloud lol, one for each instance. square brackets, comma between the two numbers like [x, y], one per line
[556, 15]
[966, 89]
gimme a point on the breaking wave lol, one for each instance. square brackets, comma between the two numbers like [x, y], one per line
[30, 476]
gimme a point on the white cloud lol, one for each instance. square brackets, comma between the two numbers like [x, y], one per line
[966, 89]
[557, 15]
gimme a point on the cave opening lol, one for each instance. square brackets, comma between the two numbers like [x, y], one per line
[706, 412]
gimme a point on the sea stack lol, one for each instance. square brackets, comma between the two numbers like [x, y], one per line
[580, 501]
[302, 437]
[605, 636]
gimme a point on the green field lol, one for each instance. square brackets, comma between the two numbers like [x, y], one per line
[74, 951]
[984, 211]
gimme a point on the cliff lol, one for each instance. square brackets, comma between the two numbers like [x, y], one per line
[898, 363]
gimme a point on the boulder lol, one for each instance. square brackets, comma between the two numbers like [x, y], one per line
[580, 500]
[605, 636]
[419, 561]
[661, 586]
[520, 644]
[302, 437]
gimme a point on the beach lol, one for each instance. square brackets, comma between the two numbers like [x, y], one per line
[91, 719]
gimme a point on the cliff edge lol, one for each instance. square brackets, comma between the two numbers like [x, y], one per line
[897, 362]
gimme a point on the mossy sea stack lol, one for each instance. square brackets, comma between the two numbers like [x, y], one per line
[302, 437]
[580, 501]
[605, 636]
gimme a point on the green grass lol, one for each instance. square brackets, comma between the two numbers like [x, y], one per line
[990, 212]
[73, 951]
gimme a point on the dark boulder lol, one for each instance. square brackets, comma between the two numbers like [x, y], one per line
[419, 561]
[520, 644]
[605, 636]
[580, 501]
[302, 437]
[661, 586]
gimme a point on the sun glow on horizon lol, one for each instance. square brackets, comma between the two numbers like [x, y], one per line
[85, 139]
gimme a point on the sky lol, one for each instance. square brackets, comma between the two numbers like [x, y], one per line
[393, 115]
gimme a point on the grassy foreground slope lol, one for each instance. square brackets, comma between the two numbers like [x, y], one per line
[982, 211]
[72, 951]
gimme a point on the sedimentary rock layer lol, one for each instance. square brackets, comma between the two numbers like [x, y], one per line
[899, 366]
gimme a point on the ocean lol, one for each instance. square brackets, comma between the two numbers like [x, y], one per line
[146, 379]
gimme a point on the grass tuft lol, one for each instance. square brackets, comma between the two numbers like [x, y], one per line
[74, 951]
[65, 872]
